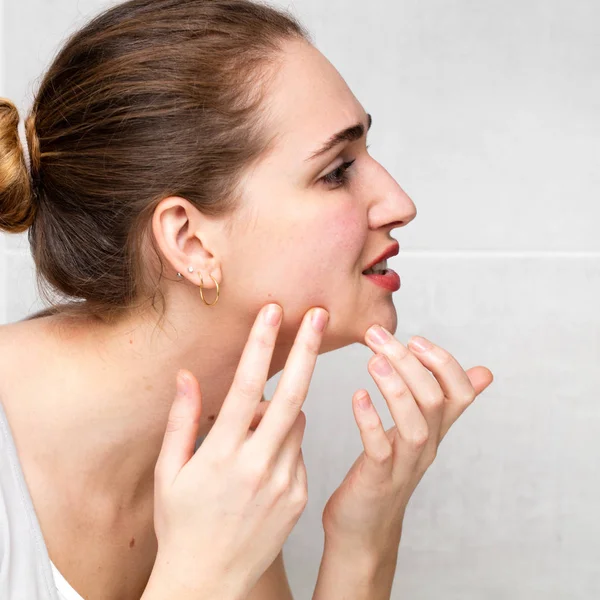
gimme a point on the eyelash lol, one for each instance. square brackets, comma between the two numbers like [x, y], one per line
[338, 177]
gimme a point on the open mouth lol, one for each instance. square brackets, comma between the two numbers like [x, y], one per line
[384, 277]
[379, 264]
[379, 268]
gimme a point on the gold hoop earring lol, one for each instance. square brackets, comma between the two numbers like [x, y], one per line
[201, 291]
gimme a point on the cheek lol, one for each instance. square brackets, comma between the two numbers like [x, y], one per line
[322, 246]
[334, 241]
[347, 234]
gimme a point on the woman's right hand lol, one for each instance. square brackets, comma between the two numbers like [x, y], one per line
[223, 513]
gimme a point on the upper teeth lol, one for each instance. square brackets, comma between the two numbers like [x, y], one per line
[380, 266]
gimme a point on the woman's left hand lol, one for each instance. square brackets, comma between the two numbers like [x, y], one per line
[367, 510]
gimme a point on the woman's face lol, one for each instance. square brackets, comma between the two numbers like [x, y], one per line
[299, 240]
[306, 241]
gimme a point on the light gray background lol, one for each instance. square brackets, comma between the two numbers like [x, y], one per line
[488, 114]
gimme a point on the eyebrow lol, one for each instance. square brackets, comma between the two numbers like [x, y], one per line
[350, 134]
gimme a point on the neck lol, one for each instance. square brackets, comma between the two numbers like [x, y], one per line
[96, 413]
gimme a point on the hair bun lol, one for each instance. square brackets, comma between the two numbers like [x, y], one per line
[24, 145]
[16, 203]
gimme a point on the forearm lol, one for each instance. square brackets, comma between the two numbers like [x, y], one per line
[347, 574]
[166, 591]
[166, 584]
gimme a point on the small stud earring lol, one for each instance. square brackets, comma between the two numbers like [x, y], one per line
[179, 274]
[191, 269]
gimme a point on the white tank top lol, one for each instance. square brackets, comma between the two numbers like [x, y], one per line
[26, 571]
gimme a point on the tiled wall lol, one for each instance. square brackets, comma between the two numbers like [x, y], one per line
[488, 115]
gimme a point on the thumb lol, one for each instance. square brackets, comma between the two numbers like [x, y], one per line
[182, 429]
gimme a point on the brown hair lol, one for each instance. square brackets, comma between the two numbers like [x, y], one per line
[151, 98]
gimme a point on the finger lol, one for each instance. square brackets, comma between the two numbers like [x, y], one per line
[285, 463]
[179, 441]
[292, 387]
[456, 384]
[378, 449]
[231, 427]
[424, 388]
[481, 378]
[411, 424]
[301, 474]
[259, 413]
[256, 419]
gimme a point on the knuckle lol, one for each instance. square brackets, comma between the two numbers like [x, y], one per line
[372, 426]
[401, 391]
[436, 400]
[382, 457]
[281, 482]
[400, 352]
[175, 423]
[466, 399]
[418, 439]
[254, 475]
[248, 387]
[294, 398]
[299, 497]
[219, 458]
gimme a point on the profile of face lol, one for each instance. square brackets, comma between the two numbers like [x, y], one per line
[306, 229]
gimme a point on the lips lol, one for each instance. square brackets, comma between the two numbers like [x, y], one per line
[391, 251]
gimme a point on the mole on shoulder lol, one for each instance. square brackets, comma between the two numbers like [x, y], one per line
[132, 542]
[211, 417]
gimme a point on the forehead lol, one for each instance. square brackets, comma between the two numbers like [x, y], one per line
[309, 101]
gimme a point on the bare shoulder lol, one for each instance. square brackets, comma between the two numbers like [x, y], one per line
[274, 584]
[21, 353]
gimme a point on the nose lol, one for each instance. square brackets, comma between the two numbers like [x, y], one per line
[391, 206]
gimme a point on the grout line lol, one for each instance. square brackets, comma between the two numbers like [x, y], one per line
[496, 254]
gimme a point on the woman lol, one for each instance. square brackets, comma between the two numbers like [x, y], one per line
[181, 174]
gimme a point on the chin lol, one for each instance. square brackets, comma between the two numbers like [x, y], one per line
[387, 319]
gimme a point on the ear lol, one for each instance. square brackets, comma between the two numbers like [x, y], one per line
[183, 236]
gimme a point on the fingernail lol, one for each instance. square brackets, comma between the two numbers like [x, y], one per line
[273, 314]
[382, 366]
[378, 335]
[363, 401]
[318, 319]
[183, 385]
[420, 344]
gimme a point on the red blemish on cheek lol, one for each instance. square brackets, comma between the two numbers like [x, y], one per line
[346, 231]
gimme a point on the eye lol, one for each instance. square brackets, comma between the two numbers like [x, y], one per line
[338, 177]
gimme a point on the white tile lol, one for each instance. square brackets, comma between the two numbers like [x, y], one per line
[506, 510]
[22, 297]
